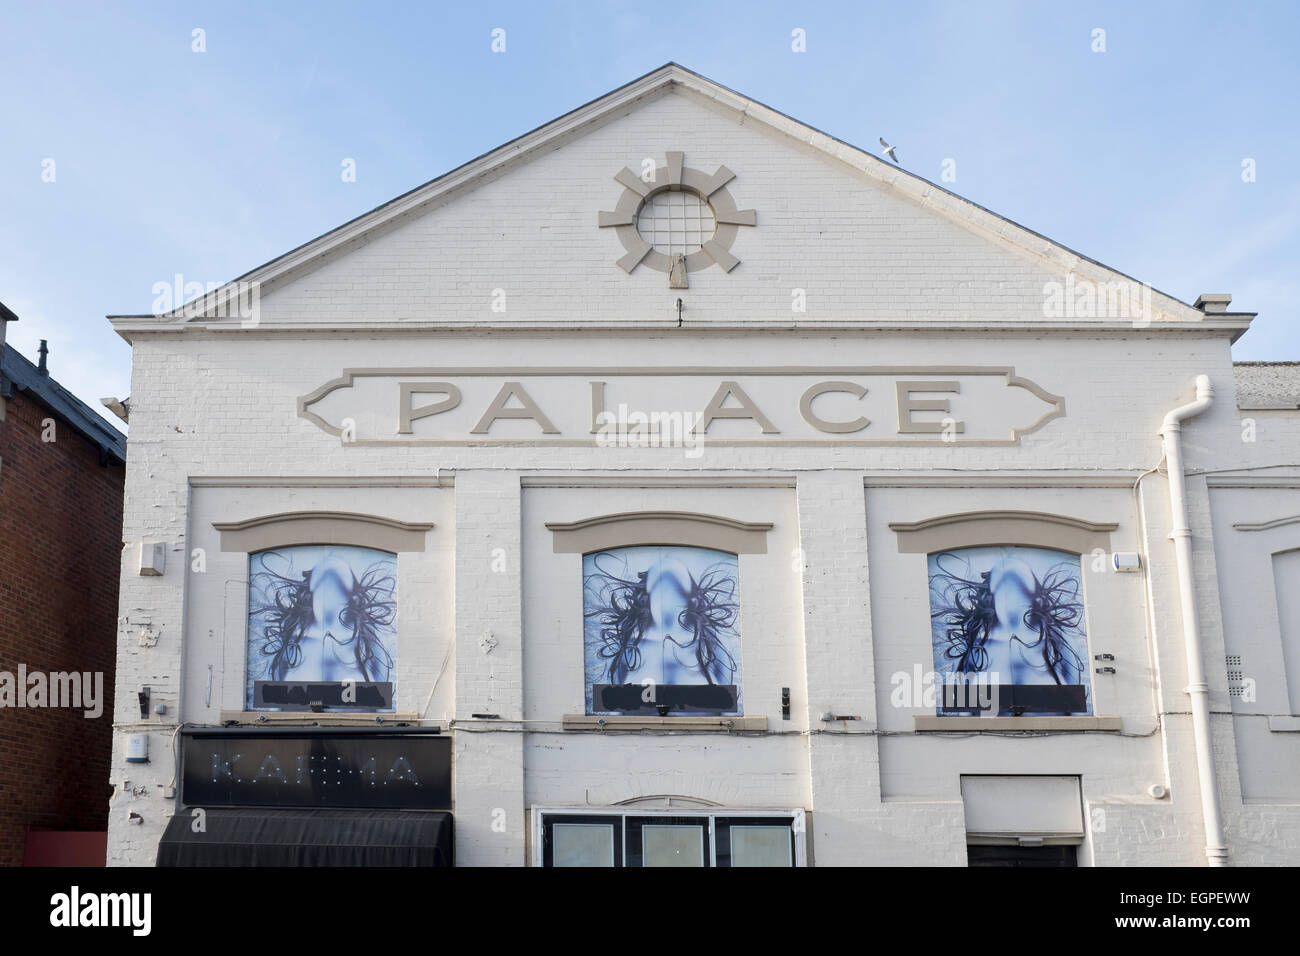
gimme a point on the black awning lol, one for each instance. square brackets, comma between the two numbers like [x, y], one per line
[255, 836]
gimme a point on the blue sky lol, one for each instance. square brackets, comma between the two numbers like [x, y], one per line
[208, 164]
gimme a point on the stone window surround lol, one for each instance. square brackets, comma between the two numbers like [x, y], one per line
[305, 528]
[659, 528]
[631, 529]
[972, 529]
[341, 528]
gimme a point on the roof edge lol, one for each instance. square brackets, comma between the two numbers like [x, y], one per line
[17, 370]
[126, 326]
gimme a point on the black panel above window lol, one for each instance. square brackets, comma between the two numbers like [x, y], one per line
[1013, 699]
[664, 699]
[330, 695]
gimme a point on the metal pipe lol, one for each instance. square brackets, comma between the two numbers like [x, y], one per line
[1216, 850]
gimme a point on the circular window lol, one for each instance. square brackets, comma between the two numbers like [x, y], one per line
[676, 221]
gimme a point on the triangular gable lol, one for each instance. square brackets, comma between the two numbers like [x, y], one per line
[1050, 256]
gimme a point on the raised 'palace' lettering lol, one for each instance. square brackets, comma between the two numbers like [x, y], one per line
[744, 407]
[528, 409]
[648, 406]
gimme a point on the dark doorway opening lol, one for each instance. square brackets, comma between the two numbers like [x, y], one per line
[1022, 855]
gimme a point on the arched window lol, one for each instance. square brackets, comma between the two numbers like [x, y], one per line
[1008, 626]
[1007, 622]
[322, 607]
[322, 628]
[661, 631]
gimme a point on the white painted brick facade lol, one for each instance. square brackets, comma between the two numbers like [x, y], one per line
[831, 610]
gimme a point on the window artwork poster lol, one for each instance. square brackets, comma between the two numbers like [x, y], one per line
[1010, 618]
[665, 619]
[322, 615]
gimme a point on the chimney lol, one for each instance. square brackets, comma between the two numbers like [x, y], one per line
[6, 316]
[44, 350]
[1213, 301]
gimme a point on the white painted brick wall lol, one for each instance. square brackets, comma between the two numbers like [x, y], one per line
[832, 627]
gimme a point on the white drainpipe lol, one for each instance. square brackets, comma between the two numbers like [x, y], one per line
[1216, 851]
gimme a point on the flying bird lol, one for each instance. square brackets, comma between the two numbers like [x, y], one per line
[889, 151]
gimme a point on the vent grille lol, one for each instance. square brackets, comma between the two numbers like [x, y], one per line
[1236, 687]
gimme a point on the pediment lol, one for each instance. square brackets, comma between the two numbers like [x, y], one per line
[676, 201]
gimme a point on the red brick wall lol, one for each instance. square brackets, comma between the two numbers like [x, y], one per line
[60, 558]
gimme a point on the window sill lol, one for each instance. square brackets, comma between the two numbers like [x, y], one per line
[1284, 725]
[1004, 724]
[633, 722]
[297, 718]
